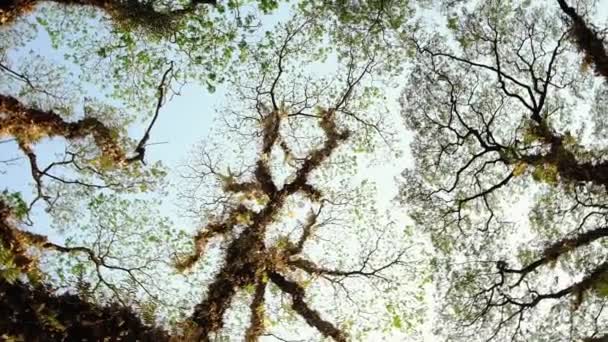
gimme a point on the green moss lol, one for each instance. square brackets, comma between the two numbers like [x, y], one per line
[546, 173]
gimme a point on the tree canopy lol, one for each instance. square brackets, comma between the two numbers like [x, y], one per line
[373, 170]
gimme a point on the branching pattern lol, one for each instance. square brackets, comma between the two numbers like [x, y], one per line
[487, 115]
[249, 261]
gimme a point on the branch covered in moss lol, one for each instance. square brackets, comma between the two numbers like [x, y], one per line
[256, 321]
[28, 125]
[139, 13]
[311, 316]
[557, 249]
[587, 40]
[36, 314]
[15, 241]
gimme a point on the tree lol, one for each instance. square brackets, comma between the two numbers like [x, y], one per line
[284, 194]
[26, 125]
[49, 315]
[499, 131]
[258, 199]
[53, 317]
[143, 13]
[153, 53]
[289, 240]
[587, 40]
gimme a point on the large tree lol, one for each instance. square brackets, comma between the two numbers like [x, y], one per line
[270, 216]
[296, 176]
[510, 178]
[285, 237]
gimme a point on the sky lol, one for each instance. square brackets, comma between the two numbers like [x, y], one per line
[187, 119]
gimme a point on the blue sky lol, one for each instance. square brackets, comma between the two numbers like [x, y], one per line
[185, 120]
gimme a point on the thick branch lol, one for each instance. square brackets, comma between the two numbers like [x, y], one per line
[560, 247]
[28, 124]
[15, 240]
[256, 321]
[12, 9]
[311, 316]
[566, 163]
[602, 338]
[201, 239]
[587, 40]
[577, 288]
[553, 252]
[34, 313]
[311, 221]
[244, 257]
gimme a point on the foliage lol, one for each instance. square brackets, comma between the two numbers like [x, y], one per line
[510, 196]
[285, 227]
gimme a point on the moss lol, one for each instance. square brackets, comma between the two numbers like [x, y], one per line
[12, 9]
[546, 173]
[311, 317]
[247, 259]
[256, 320]
[28, 125]
[67, 317]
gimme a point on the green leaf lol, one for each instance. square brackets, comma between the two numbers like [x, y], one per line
[396, 322]
[453, 23]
